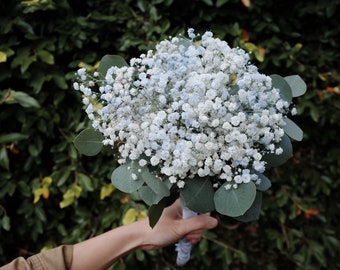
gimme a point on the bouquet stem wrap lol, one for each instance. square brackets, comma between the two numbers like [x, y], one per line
[183, 247]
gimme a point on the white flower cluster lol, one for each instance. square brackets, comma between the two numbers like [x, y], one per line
[191, 108]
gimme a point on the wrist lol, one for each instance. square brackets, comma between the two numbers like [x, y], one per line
[144, 237]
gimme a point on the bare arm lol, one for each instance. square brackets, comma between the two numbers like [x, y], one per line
[102, 251]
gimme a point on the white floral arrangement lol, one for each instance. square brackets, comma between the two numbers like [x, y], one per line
[191, 119]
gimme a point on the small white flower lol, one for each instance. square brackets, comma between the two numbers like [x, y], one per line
[227, 186]
[180, 184]
[142, 162]
[172, 179]
[293, 111]
[76, 86]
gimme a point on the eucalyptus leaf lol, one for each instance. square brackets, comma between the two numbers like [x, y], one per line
[293, 130]
[109, 61]
[89, 142]
[253, 213]
[185, 42]
[235, 202]
[297, 85]
[156, 210]
[148, 195]
[280, 83]
[126, 177]
[274, 160]
[198, 194]
[265, 183]
[154, 182]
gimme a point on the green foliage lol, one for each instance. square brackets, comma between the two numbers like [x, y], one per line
[108, 61]
[274, 160]
[235, 202]
[44, 42]
[89, 142]
[129, 171]
[198, 195]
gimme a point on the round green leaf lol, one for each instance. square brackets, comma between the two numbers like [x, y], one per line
[254, 211]
[280, 83]
[235, 202]
[265, 183]
[109, 61]
[155, 183]
[293, 130]
[184, 42]
[297, 85]
[198, 195]
[148, 195]
[274, 160]
[89, 142]
[124, 179]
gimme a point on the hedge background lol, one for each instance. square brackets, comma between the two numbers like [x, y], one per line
[49, 194]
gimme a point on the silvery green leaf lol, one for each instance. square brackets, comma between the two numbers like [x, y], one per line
[198, 194]
[126, 177]
[297, 85]
[89, 142]
[293, 130]
[235, 202]
[154, 182]
[148, 195]
[109, 61]
[265, 183]
[274, 160]
[280, 83]
[254, 211]
[184, 41]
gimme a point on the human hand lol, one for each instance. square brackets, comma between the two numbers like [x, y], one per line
[101, 251]
[171, 227]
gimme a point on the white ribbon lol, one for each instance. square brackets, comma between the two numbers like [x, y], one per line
[183, 247]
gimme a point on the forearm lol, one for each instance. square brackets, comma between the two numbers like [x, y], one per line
[102, 251]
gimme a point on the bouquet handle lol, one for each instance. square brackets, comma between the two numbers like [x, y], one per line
[183, 247]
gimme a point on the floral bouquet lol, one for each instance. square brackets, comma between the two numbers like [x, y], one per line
[192, 119]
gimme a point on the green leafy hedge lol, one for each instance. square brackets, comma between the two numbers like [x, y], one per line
[50, 194]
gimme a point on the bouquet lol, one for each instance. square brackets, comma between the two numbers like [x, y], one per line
[192, 119]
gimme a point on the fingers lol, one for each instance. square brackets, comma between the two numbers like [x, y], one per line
[195, 226]
[174, 210]
[195, 236]
[208, 222]
[205, 221]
